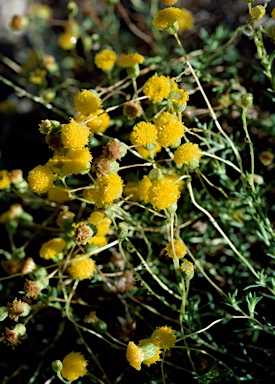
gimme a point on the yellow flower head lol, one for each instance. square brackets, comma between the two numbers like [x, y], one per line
[99, 241]
[105, 59]
[132, 188]
[179, 97]
[174, 177]
[164, 337]
[273, 13]
[186, 20]
[130, 60]
[187, 269]
[170, 133]
[143, 187]
[107, 188]
[67, 40]
[134, 355]
[87, 102]
[163, 193]
[189, 154]
[82, 269]
[97, 122]
[74, 366]
[102, 222]
[41, 179]
[157, 88]
[52, 248]
[257, 12]
[74, 135]
[37, 76]
[146, 352]
[166, 18]
[13, 213]
[144, 134]
[4, 179]
[58, 195]
[78, 161]
[180, 249]
[146, 153]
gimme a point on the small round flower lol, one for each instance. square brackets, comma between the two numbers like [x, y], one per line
[105, 59]
[108, 188]
[41, 179]
[19, 22]
[180, 249]
[185, 20]
[144, 134]
[87, 102]
[266, 158]
[82, 269]
[74, 135]
[77, 161]
[132, 110]
[170, 133]
[98, 122]
[189, 154]
[83, 232]
[179, 97]
[164, 337]
[4, 179]
[157, 88]
[130, 60]
[58, 195]
[163, 193]
[257, 12]
[74, 366]
[167, 18]
[187, 269]
[143, 188]
[102, 222]
[32, 288]
[18, 308]
[52, 248]
[115, 150]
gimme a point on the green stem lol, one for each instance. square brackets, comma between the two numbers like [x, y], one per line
[250, 148]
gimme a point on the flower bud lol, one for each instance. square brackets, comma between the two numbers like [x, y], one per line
[247, 100]
[57, 366]
[122, 230]
[99, 325]
[3, 313]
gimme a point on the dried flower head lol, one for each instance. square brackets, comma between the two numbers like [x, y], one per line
[105, 59]
[132, 110]
[87, 102]
[12, 336]
[17, 308]
[28, 266]
[266, 158]
[115, 150]
[74, 366]
[32, 288]
[82, 268]
[83, 232]
[164, 337]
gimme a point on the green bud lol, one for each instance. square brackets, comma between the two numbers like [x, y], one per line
[40, 272]
[270, 31]
[122, 230]
[149, 350]
[187, 269]
[114, 167]
[20, 329]
[172, 29]
[156, 174]
[133, 72]
[27, 309]
[3, 313]
[247, 100]
[57, 366]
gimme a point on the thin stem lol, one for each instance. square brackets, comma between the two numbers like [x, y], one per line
[251, 182]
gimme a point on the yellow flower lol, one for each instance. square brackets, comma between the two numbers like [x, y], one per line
[132, 110]
[74, 135]
[102, 222]
[100, 241]
[189, 154]
[98, 122]
[134, 355]
[144, 134]
[273, 13]
[186, 20]
[163, 193]
[87, 102]
[67, 40]
[13, 213]
[187, 269]
[257, 12]
[58, 195]
[78, 161]
[37, 76]
[4, 179]
[130, 60]
[174, 177]
[157, 88]
[170, 133]
[105, 59]
[82, 269]
[180, 249]
[107, 188]
[166, 18]
[164, 337]
[144, 186]
[74, 366]
[179, 97]
[41, 179]
[132, 188]
[146, 153]
[52, 248]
